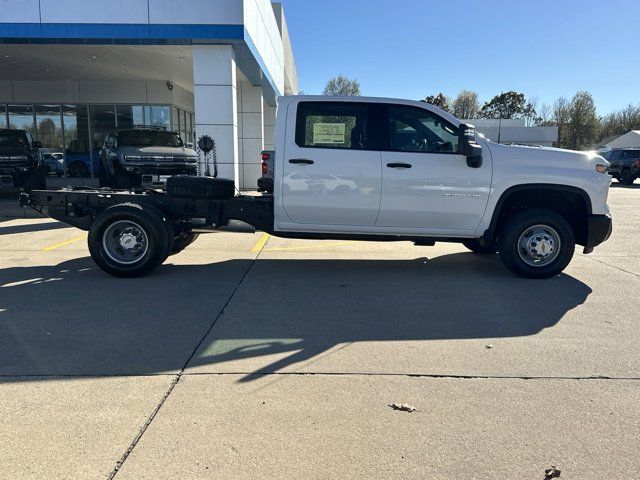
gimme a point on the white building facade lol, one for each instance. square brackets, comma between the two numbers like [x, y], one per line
[72, 71]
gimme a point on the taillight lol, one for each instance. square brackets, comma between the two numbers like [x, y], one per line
[265, 169]
[266, 156]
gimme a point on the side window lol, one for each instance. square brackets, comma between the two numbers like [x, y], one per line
[340, 125]
[616, 155]
[413, 129]
[631, 154]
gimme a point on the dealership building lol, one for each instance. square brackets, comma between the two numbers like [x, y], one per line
[73, 71]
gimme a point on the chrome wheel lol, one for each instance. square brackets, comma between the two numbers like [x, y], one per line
[539, 245]
[125, 242]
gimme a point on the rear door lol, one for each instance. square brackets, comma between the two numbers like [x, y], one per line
[426, 183]
[332, 170]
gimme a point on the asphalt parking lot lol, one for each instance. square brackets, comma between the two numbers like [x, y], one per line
[248, 356]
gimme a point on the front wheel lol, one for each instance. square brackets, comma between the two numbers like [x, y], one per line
[128, 240]
[536, 243]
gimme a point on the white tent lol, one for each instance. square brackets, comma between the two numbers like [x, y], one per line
[628, 140]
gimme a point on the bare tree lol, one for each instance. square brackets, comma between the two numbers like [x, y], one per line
[584, 123]
[466, 105]
[342, 86]
[561, 116]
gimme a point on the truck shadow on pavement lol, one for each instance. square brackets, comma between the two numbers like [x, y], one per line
[73, 320]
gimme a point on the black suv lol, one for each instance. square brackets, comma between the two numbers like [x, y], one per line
[144, 157]
[625, 164]
[20, 160]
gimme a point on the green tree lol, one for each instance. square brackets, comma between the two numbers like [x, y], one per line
[440, 100]
[466, 105]
[508, 105]
[342, 86]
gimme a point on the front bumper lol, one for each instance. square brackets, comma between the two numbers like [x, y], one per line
[160, 169]
[599, 228]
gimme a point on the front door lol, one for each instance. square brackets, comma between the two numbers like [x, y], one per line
[332, 169]
[426, 184]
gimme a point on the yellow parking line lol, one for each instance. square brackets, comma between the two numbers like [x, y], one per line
[310, 247]
[64, 244]
[261, 243]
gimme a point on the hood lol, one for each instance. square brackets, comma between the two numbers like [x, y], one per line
[187, 152]
[543, 156]
[5, 151]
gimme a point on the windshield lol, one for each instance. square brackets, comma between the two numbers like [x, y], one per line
[13, 139]
[146, 138]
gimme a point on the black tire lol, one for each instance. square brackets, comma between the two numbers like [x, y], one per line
[626, 178]
[35, 180]
[182, 242]
[200, 187]
[153, 236]
[558, 232]
[78, 170]
[475, 246]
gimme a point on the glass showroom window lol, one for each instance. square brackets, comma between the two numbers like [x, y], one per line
[130, 116]
[49, 127]
[158, 116]
[76, 139]
[175, 119]
[21, 118]
[183, 125]
[3, 116]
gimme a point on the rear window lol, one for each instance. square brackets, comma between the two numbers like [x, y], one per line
[13, 139]
[339, 125]
[144, 138]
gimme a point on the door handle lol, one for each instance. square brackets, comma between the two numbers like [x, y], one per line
[301, 161]
[399, 165]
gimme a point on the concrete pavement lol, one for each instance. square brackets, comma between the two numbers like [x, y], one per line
[255, 357]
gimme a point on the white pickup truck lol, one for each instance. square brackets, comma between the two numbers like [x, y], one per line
[366, 169]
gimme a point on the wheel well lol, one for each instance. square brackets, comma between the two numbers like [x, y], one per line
[572, 203]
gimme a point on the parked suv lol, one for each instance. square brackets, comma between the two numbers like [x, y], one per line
[144, 157]
[20, 160]
[625, 164]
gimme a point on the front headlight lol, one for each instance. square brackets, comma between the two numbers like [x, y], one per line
[602, 168]
[132, 158]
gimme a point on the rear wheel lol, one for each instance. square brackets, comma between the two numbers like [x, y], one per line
[626, 178]
[128, 240]
[536, 243]
[475, 246]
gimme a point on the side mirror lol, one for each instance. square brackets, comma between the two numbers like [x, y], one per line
[189, 145]
[37, 144]
[468, 146]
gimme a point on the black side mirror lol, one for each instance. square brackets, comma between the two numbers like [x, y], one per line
[37, 145]
[468, 146]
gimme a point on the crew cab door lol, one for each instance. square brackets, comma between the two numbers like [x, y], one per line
[426, 183]
[331, 173]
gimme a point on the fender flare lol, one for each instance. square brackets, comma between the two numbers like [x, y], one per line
[490, 232]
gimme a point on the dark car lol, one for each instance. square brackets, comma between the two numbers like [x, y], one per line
[53, 163]
[144, 157]
[625, 164]
[20, 160]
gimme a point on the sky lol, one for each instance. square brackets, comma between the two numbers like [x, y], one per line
[415, 48]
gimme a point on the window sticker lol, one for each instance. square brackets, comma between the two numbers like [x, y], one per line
[329, 133]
